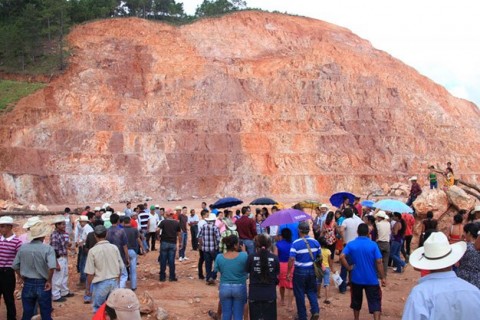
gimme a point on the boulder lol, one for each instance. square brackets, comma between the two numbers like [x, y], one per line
[162, 314]
[147, 305]
[460, 199]
[431, 200]
[42, 208]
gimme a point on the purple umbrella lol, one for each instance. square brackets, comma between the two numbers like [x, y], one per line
[285, 216]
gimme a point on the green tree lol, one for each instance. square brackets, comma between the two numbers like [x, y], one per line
[216, 7]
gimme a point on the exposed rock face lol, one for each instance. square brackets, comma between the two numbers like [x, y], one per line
[247, 104]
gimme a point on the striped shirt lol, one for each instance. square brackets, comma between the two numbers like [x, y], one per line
[8, 250]
[143, 218]
[299, 251]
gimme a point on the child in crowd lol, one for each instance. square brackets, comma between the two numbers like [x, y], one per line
[327, 265]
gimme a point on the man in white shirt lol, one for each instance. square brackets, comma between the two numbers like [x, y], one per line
[348, 231]
[383, 238]
[84, 229]
[440, 294]
[193, 221]
[152, 228]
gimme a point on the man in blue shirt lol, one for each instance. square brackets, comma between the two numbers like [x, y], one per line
[366, 261]
[304, 279]
[440, 294]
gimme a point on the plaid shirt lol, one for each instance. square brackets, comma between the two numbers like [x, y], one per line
[222, 248]
[210, 236]
[59, 243]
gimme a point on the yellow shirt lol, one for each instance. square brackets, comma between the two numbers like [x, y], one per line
[450, 180]
[325, 255]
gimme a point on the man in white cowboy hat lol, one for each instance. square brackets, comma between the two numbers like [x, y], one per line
[27, 225]
[9, 246]
[34, 264]
[84, 230]
[209, 239]
[59, 242]
[384, 232]
[440, 294]
[415, 191]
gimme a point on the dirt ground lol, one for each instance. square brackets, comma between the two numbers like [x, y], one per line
[191, 298]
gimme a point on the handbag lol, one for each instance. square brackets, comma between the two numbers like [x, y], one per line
[317, 263]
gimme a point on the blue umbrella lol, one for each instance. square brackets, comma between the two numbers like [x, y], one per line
[392, 206]
[337, 198]
[263, 202]
[226, 203]
[285, 217]
[367, 203]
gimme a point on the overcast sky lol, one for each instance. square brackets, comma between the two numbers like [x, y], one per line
[441, 39]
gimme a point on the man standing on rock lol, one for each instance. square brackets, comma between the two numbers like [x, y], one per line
[9, 246]
[104, 266]
[169, 233]
[183, 219]
[415, 191]
[59, 242]
[34, 264]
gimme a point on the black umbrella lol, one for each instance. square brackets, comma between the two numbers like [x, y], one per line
[263, 202]
[226, 203]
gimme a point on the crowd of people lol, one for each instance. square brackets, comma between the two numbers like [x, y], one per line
[252, 260]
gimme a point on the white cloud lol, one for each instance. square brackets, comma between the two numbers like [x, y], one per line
[441, 39]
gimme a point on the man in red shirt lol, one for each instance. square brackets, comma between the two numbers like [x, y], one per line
[410, 222]
[247, 230]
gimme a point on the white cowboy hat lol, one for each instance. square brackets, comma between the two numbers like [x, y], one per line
[211, 217]
[120, 213]
[58, 219]
[31, 222]
[476, 209]
[106, 216]
[106, 205]
[39, 230]
[82, 219]
[7, 220]
[381, 214]
[414, 178]
[178, 208]
[437, 253]
[97, 209]
[230, 225]
[324, 206]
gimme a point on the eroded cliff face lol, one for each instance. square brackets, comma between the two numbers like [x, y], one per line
[248, 104]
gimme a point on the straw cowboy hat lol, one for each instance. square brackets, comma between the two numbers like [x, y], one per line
[324, 206]
[82, 219]
[211, 217]
[120, 213]
[39, 230]
[58, 219]
[106, 216]
[437, 253]
[230, 225]
[414, 178]
[476, 209]
[31, 222]
[8, 220]
[381, 214]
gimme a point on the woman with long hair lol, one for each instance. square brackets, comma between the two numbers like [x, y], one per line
[282, 250]
[329, 233]
[456, 229]
[372, 227]
[429, 225]
[263, 268]
[233, 279]
[398, 233]
[469, 264]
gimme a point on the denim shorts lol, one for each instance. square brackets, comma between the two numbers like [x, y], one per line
[326, 278]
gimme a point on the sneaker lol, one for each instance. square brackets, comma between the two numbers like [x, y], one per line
[61, 299]
[180, 259]
[185, 258]
[201, 277]
[162, 279]
[69, 295]
[315, 316]
[173, 279]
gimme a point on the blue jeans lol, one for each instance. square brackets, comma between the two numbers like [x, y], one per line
[101, 291]
[395, 247]
[433, 185]
[82, 257]
[249, 246]
[232, 298]
[209, 257]
[144, 240]
[34, 292]
[343, 275]
[133, 268]
[181, 252]
[123, 277]
[167, 256]
[305, 283]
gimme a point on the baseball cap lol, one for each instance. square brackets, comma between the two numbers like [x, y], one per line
[152, 207]
[100, 230]
[125, 303]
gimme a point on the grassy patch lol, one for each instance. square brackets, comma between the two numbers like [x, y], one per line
[12, 91]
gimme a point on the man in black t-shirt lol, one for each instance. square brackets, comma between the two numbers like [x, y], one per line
[169, 233]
